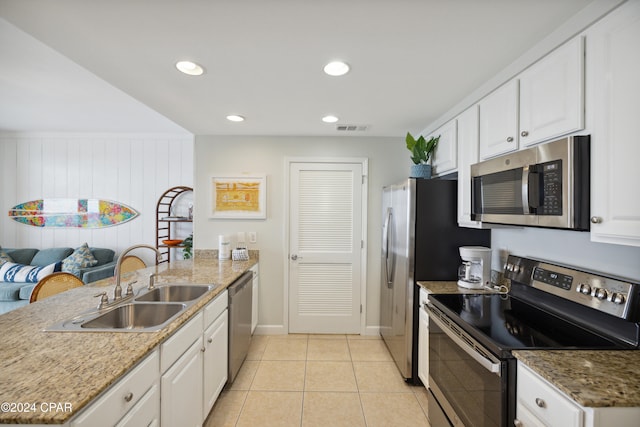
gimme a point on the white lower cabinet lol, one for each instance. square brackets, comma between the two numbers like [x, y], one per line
[254, 302]
[120, 402]
[216, 344]
[542, 404]
[192, 382]
[181, 389]
[539, 403]
[423, 340]
[146, 412]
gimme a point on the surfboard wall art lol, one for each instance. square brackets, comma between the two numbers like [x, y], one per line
[72, 213]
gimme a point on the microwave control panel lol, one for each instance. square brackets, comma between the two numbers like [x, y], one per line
[551, 188]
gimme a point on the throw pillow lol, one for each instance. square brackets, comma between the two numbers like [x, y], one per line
[12, 272]
[4, 257]
[80, 258]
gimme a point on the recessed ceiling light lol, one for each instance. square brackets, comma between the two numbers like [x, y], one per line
[336, 68]
[235, 118]
[329, 119]
[190, 68]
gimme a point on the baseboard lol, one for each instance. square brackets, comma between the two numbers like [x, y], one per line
[372, 330]
[280, 330]
[270, 330]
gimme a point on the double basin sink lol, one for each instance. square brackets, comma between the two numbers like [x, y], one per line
[150, 311]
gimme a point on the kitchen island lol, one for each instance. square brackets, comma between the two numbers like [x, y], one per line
[49, 377]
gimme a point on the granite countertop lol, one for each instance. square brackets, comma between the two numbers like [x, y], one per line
[72, 368]
[592, 378]
[449, 287]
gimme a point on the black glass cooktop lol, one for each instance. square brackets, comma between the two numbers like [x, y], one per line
[504, 323]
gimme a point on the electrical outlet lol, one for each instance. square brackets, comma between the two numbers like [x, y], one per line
[253, 238]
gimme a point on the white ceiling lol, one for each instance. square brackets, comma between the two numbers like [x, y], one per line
[78, 65]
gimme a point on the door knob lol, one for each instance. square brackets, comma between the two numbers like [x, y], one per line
[294, 257]
[596, 220]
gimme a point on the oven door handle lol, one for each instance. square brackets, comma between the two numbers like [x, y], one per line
[489, 365]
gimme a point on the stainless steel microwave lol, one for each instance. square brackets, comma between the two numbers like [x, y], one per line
[543, 186]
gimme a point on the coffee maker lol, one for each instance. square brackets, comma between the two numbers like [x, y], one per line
[475, 271]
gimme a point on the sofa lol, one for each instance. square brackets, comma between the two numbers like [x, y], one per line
[17, 294]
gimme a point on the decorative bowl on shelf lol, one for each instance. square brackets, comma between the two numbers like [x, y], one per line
[172, 242]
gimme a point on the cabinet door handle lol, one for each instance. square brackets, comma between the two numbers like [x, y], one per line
[128, 397]
[518, 423]
[541, 403]
[524, 133]
[510, 139]
[210, 340]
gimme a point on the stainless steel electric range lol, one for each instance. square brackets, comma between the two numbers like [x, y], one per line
[472, 373]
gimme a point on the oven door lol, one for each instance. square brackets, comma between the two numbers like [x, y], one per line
[470, 384]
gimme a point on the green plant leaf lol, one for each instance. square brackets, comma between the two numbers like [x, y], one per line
[420, 148]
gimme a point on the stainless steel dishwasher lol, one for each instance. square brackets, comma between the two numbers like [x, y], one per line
[240, 295]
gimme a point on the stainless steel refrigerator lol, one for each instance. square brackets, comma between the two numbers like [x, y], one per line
[420, 241]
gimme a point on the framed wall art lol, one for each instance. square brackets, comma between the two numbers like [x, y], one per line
[239, 197]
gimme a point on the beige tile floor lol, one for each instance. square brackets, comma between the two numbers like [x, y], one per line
[319, 380]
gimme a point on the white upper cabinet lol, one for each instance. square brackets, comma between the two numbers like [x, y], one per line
[445, 156]
[468, 131]
[499, 121]
[613, 84]
[544, 101]
[552, 94]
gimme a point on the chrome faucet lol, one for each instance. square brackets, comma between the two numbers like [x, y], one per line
[117, 292]
[152, 281]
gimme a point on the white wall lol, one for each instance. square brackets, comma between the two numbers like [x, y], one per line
[388, 162]
[130, 169]
[571, 248]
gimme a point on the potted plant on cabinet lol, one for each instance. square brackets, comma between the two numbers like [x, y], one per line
[421, 151]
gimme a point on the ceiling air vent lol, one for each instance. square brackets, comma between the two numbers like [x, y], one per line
[351, 128]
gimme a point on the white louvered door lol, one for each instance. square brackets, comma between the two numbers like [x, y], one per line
[325, 247]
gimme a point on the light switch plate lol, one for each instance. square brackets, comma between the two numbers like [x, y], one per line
[253, 238]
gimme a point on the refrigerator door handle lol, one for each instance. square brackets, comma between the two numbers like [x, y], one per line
[389, 257]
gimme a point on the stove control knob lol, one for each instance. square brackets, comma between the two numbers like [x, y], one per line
[617, 298]
[600, 293]
[584, 288]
